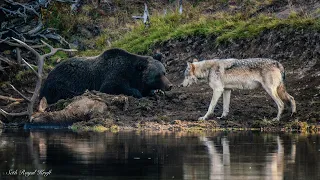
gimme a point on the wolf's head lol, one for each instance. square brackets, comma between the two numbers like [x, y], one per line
[189, 75]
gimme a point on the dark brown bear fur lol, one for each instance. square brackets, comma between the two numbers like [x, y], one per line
[114, 72]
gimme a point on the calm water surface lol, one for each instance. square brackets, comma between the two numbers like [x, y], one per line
[148, 155]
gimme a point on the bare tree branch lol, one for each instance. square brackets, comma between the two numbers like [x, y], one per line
[24, 6]
[55, 50]
[24, 15]
[27, 47]
[17, 33]
[6, 114]
[8, 12]
[2, 40]
[6, 98]
[36, 29]
[41, 59]
[6, 60]
[33, 70]
[25, 27]
[23, 96]
[30, 92]
[18, 45]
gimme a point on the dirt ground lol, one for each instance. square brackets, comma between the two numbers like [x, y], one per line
[297, 50]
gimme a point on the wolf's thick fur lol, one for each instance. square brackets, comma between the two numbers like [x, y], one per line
[224, 75]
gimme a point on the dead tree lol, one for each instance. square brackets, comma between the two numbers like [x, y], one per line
[39, 74]
[145, 17]
[24, 21]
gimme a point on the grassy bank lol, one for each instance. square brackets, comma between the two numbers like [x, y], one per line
[223, 26]
[200, 127]
[118, 29]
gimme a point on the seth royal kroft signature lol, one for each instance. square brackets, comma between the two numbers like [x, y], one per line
[23, 172]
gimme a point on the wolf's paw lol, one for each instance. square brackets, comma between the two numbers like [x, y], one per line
[276, 119]
[202, 118]
[222, 117]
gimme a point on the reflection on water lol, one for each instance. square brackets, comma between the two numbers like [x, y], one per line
[146, 155]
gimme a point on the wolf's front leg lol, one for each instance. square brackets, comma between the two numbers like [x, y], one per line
[216, 95]
[226, 103]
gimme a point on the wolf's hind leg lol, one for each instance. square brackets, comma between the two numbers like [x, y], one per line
[284, 95]
[274, 95]
[293, 104]
[216, 95]
[226, 103]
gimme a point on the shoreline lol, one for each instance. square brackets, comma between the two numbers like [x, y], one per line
[173, 126]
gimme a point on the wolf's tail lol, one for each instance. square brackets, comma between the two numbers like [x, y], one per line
[285, 96]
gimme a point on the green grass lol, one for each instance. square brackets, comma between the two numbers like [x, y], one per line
[89, 128]
[96, 128]
[60, 55]
[226, 29]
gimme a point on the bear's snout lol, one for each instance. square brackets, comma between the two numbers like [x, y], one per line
[167, 84]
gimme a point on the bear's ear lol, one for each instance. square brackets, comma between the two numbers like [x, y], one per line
[157, 55]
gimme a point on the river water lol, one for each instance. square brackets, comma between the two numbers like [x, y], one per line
[154, 155]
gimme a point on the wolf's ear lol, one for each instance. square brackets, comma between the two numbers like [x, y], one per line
[195, 60]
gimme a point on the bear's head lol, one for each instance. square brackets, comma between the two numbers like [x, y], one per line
[154, 76]
[145, 72]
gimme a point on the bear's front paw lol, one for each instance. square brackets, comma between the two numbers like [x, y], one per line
[202, 118]
[158, 92]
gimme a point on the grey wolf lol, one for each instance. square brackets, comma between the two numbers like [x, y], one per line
[115, 71]
[224, 75]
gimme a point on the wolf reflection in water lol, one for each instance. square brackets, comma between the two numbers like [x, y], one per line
[220, 167]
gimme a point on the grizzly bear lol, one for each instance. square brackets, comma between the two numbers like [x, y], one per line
[115, 71]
